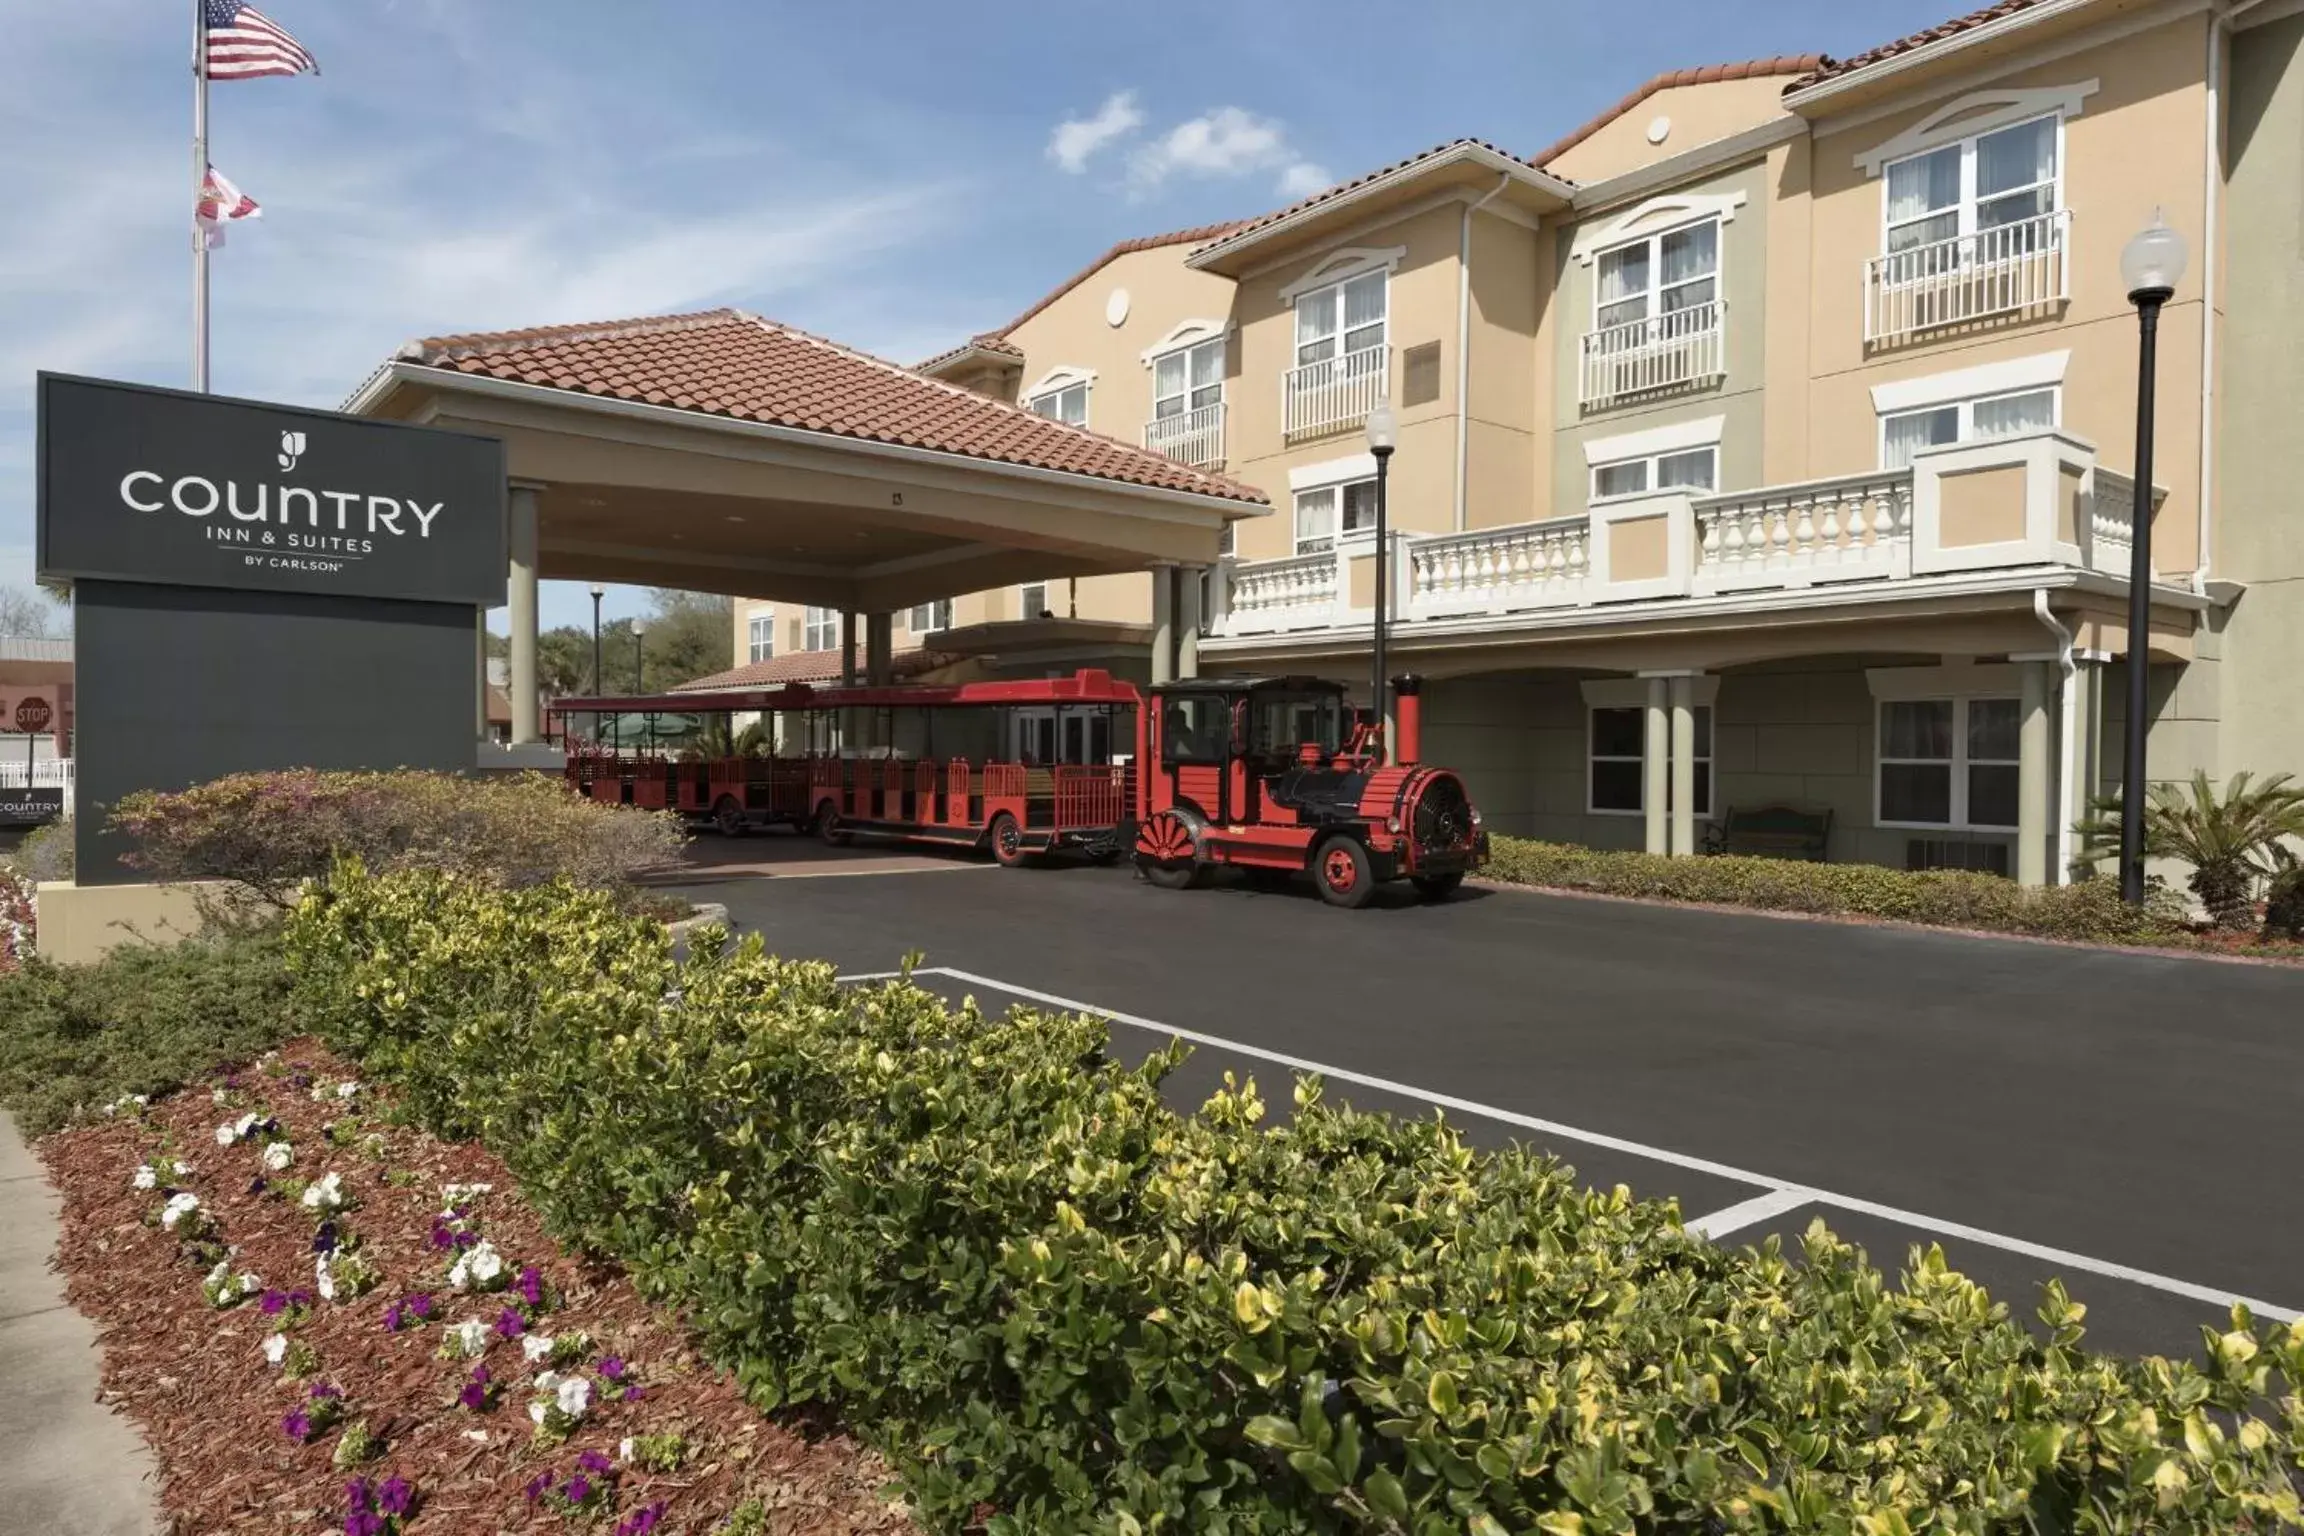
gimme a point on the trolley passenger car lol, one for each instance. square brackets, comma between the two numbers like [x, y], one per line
[1274, 774]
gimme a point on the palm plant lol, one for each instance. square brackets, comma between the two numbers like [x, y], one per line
[2232, 840]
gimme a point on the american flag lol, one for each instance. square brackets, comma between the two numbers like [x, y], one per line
[243, 43]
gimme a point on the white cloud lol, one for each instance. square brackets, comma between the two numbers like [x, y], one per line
[1224, 143]
[1304, 178]
[1077, 139]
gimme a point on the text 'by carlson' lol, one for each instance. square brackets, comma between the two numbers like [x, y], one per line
[198, 496]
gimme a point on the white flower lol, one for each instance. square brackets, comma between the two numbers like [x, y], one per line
[182, 1169]
[536, 1410]
[217, 1096]
[180, 1205]
[140, 1099]
[276, 1348]
[225, 1136]
[243, 1125]
[454, 1195]
[250, 1284]
[278, 1156]
[575, 1395]
[546, 1381]
[322, 1279]
[477, 1267]
[624, 1449]
[325, 1193]
[346, 1090]
[535, 1347]
[146, 1177]
[221, 1273]
[470, 1337]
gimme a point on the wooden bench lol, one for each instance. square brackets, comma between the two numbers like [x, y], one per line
[1778, 832]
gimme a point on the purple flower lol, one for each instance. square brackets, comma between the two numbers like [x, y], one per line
[256, 1185]
[475, 1393]
[420, 1304]
[324, 1240]
[396, 1496]
[393, 1318]
[537, 1485]
[362, 1522]
[358, 1495]
[613, 1367]
[633, 1394]
[532, 1286]
[509, 1324]
[296, 1426]
[274, 1303]
[322, 1392]
[299, 1298]
[595, 1463]
[579, 1489]
[642, 1523]
[466, 1239]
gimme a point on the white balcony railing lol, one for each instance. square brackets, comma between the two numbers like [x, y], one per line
[1852, 528]
[2003, 270]
[45, 773]
[2111, 526]
[1336, 393]
[1494, 570]
[1673, 351]
[1300, 592]
[1191, 437]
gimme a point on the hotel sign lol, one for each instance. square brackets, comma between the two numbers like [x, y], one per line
[160, 486]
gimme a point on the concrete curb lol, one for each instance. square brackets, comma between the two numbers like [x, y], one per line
[67, 1464]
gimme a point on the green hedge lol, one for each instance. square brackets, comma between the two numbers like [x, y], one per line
[2089, 909]
[994, 1250]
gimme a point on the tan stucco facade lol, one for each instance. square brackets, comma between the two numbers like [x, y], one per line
[1672, 122]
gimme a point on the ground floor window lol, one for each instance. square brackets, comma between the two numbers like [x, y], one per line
[1905, 433]
[1032, 600]
[1949, 763]
[927, 618]
[1619, 758]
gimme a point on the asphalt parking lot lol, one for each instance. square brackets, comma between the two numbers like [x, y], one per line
[2131, 1123]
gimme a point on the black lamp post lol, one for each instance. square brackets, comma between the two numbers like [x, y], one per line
[2151, 264]
[598, 592]
[1383, 437]
[639, 658]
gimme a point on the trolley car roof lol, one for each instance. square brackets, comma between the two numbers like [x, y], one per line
[1086, 687]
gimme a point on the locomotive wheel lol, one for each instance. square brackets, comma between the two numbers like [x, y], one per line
[1340, 870]
[827, 826]
[1164, 852]
[728, 816]
[1437, 887]
[1168, 877]
[1007, 841]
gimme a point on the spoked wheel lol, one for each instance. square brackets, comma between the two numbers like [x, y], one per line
[1007, 841]
[1165, 853]
[1437, 887]
[1341, 871]
[1169, 877]
[827, 825]
[728, 817]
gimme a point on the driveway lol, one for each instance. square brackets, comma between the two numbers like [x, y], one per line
[2130, 1122]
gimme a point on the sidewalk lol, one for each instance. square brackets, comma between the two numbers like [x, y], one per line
[68, 1466]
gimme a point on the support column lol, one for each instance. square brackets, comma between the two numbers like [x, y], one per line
[2091, 684]
[1656, 764]
[850, 622]
[2033, 775]
[1188, 590]
[1163, 625]
[480, 673]
[1683, 766]
[879, 670]
[522, 683]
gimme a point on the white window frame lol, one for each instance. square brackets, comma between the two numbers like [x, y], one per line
[1057, 383]
[1707, 710]
[1187, 351]
[760, 635]
[1966, 406]
[1965, 207]
[820, 629]
[928, 618]
[1025, 609]
[1957, 765]
[1654, 292]
[1383, 278]
[1338, 534]
[1653, 464]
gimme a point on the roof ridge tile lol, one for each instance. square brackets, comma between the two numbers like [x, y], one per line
[1673, 79]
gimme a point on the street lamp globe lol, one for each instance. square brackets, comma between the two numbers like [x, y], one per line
[598, 591]
[639, 627]
[2152, 263]
[1383, 428]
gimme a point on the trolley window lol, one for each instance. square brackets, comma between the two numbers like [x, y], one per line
[1283, 722]
[1196, 728]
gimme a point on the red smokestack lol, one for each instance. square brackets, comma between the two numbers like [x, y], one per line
[1408, 714]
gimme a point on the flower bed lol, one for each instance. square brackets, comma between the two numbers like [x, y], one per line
[349, 1325]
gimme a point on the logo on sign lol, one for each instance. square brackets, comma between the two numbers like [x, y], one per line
[33, 716]
[291, 449]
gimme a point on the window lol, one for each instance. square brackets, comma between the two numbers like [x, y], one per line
[1987, 182]
[1316, 526]
[1282, 723]
[820, 630]
[763, 632]
[1196, 728]
[1949, 763]
[927, 618]
[1341, 318]
[1905, 433]
[1619, 758]
[1189, 379]
[1032, 600]
[1691, 469]
[1068, 404]
[1662, 275]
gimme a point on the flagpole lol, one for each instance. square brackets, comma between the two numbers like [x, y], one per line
[199, 188]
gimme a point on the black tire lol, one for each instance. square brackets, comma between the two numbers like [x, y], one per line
[1341, 873]
[827, 826]
[728, 816]
[1437, 887]
[1007, 841]
[1104, 858]
[1168, 877]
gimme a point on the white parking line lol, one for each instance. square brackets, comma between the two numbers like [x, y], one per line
[1750, 1213]
[1792, 1195]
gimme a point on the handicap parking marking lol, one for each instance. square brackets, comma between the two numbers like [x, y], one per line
[1776, 1196]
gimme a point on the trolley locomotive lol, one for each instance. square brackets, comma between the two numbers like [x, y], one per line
[1269, 775]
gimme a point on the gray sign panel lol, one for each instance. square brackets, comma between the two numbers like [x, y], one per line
[156, 485]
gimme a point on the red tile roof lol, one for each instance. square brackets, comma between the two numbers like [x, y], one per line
[1341, 188]
[1672, 79]
[990, 341]
[727, 363]
[809, 667]
[1833, 69]
[1193, 236]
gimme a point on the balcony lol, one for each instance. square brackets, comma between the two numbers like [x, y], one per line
[2010, 269]
[2008, 504]
[1191, 437]
[1335, 394]
[1680, 350]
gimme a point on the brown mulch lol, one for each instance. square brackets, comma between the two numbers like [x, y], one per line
[195, 1377]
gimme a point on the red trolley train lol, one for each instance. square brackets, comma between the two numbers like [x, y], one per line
[1271, 774]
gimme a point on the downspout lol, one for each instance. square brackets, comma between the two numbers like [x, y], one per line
[2067, 734]
[2212, 183]
[1464, 341]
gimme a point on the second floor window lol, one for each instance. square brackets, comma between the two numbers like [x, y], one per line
[1694, 469]
[1069, 404]
[1985, 183]
[1660, 276]
[1332, 512]
[820, 630]
[1905, 433]
[1032, 600]
[763, 635]
[1341, 318]
[1189, 379]
[927, 618]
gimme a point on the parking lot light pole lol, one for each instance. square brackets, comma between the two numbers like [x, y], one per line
[2151, 265]
[639, 658]
[1383, 437]
[598, 592]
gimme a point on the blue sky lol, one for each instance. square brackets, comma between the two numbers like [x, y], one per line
[896, 176]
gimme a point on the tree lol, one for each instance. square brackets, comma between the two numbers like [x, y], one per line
[689, 635]
[2232, 840]
[28, 615]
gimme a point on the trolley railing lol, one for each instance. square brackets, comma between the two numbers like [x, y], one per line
[1090, 796]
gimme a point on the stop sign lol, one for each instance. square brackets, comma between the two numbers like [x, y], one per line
[33, 715]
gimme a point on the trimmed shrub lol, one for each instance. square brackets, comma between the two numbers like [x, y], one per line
[2284, 908]
[45, 853]
[2087, 910]
[142, 1020]
[1059, 1306]
[271, 832]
